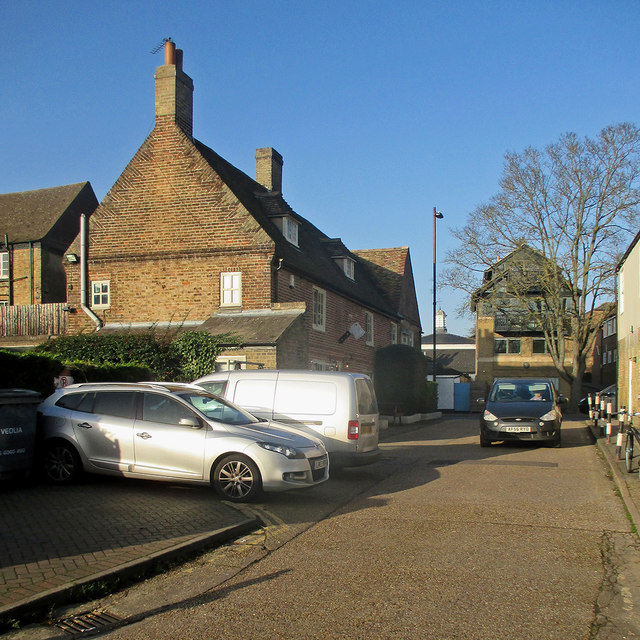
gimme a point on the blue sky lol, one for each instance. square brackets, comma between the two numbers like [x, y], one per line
[381, 109]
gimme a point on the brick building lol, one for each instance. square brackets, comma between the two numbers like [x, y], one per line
[184, 239]
[36, 229]
[509, 339]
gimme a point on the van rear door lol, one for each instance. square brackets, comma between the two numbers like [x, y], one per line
[368, 416]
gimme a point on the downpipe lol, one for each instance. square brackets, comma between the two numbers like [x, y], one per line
[83, 273]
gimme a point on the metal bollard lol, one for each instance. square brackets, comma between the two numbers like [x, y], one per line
[609, 425]
[619, 437]
[590, 403]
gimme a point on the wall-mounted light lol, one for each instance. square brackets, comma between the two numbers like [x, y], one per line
[71, 258]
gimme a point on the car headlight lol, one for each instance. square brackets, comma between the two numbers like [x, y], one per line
[550, 415]
[489, 417]
[288, 452]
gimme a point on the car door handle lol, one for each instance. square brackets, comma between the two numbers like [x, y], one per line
[144, 435]
[85, 425]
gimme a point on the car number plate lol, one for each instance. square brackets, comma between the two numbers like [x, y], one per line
[518, 429]
[320, 464]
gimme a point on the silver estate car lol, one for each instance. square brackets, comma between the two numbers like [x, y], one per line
[176, 432]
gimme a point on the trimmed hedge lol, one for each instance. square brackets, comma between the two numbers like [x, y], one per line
[400, 379]
[185, 356]
[113, 358]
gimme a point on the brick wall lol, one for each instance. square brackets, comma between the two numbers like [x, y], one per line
[163, 234]
[26, 272]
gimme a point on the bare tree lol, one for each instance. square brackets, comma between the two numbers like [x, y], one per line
[576, 203]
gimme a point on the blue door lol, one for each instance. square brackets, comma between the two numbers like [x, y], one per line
[462, 397]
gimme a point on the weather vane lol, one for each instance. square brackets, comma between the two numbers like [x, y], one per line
[158, 47]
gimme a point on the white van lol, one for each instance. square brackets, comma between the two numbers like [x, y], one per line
[339, 407]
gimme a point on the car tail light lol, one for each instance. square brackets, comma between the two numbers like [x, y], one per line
[354, 430]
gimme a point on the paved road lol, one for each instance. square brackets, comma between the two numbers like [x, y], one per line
[441, 540]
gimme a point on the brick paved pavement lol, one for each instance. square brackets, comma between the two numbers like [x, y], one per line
[52, 538]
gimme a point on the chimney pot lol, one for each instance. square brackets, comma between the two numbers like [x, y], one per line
[169, 52]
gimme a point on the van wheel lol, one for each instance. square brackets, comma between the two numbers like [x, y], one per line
[237, 478]
[61, 463]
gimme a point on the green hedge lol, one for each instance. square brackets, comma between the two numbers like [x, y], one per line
[113, 358]
[185, 356]
[400, 378]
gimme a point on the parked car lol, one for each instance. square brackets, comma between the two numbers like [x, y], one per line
[524, 409]
[610, 394]
[173, 432]
[338, 407]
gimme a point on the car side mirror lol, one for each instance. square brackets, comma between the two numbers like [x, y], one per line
[192, 423]
[562, 400]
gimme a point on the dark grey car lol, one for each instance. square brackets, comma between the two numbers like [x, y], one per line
[523, 409]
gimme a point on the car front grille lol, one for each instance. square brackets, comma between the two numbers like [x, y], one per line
[317, 474]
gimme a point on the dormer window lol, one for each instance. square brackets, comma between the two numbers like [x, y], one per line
[290, 230]
[348, 266]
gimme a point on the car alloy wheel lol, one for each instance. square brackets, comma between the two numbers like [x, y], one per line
[237, 478]
[61, 463]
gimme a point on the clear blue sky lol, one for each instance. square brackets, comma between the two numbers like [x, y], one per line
[381, 109]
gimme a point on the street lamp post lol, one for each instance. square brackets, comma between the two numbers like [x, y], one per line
[437, 215]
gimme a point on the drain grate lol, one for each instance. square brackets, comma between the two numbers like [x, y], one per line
[87, 622]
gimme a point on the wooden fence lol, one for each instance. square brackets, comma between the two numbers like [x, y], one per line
[33, 319]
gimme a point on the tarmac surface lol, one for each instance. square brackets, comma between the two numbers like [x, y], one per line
[56, 542]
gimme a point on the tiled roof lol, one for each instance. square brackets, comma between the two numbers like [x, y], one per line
[253, 327]
[451, 361]
[30, 215]
[315, 253]
[446, 338]
[388, 266]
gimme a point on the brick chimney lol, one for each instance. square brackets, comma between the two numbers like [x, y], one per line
[269, 168]
[174, 91]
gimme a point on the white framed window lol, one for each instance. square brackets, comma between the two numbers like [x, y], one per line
[4, 265]
[369, 327]
[407, 338]
[230, 289]
[290, 230]
[394, 333]
[319, 309]
[100, 294]
[229, 363]
[348, 266]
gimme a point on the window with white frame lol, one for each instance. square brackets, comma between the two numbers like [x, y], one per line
[100, 294]
[319, 309]
[369, 327]
[231, 289]
[348, 266]
[4, 265]
[290, 230]
[394, 333]
[407, 338]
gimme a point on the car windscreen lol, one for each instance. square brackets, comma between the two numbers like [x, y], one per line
[521, 392]
[217, 409]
